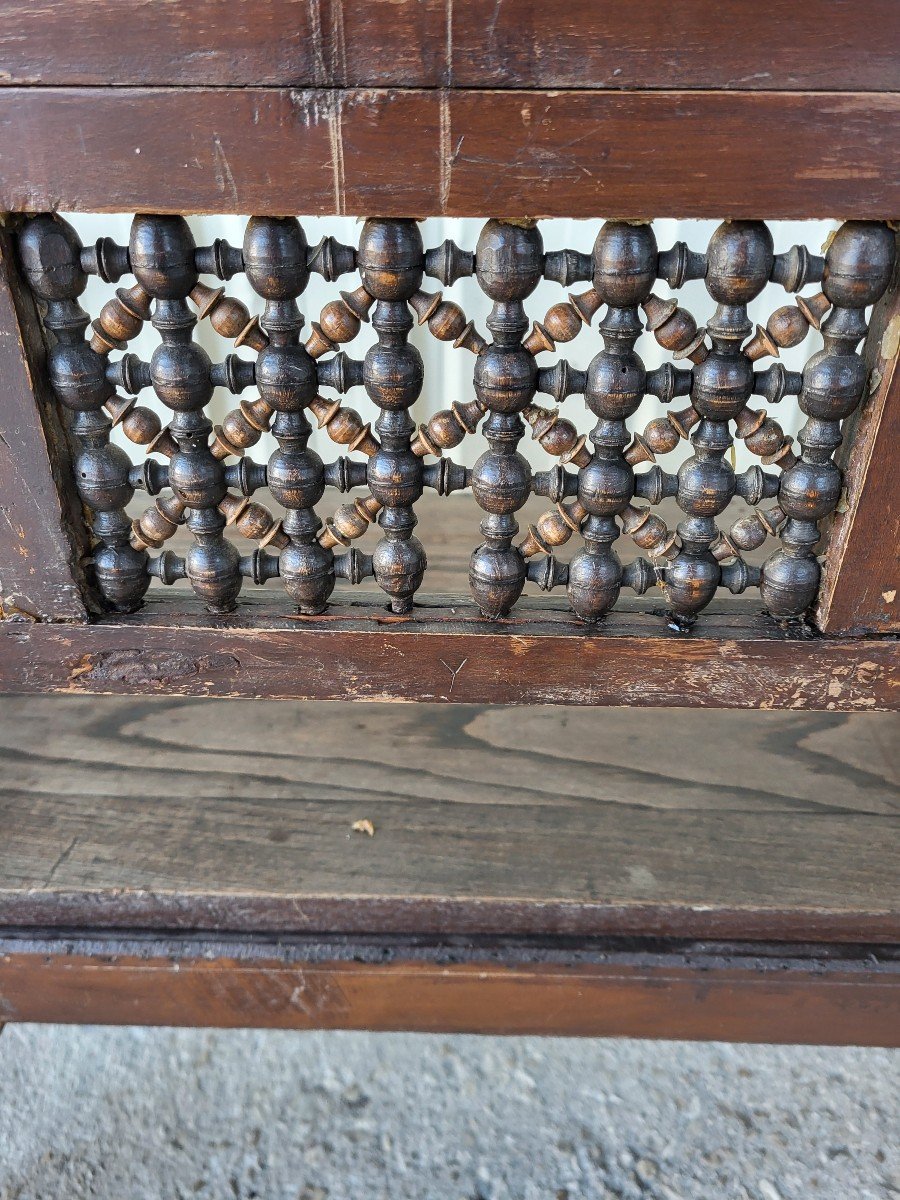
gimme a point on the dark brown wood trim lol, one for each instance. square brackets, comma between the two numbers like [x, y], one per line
[451, 654]
[42, 532]
[442, 43]
[749, 995]
[861, 583]
[464, 153]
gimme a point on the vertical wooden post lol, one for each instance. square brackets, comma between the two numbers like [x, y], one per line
[860, 590]
[43, 536]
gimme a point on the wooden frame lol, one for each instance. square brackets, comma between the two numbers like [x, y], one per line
[610, 119]
[723, 993]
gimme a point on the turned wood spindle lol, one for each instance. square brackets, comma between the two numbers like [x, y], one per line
[340, 321]
[447, 428]
[229, 317]
[158, 523]
[140, 424]
[344, 425]
[765, 437]
[661, 436]
[349, 522]
[563, 321]
[253, 521]
[553, 528]
[446, 321]
[121, 319]
[556, 435]
[787, 327]
[650, 532]
[675, 329]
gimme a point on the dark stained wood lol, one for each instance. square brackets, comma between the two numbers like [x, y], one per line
[441, 43]
[861, 583]
[447, 652]
[573, 154]
[696, 995]
[42, 533]
[167, 814]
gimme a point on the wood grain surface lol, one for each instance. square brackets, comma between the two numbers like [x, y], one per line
[168, 814]
[464, 153]
[664, 994]
[444, 43]
[42, 531]
[444, 651]
[860, 589]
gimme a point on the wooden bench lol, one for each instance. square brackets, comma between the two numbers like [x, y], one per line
[752, 897]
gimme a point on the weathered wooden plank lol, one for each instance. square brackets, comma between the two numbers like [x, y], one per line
[42, 532]
[436, 43]
[674, 995]
[157, 813]
[860, 590]
[467, 153]
[445, 655]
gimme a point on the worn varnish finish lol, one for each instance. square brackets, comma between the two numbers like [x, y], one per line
[695, 995]
[439, 43]
[43, 535]
[167, 814]
[201, 490]
[532, 879]
[568, 154]
[437, 655]
[861, 583]
[513, 911]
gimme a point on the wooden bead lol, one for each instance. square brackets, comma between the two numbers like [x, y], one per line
[650, 532]
[556, 435]
[562, 323]
[340, 321]
[659, 437]
[139, 424]
[253, 521]
[446, 321]
[765, 437]
[229, 317]
[121, 319]
[553, 528]
[787, 326]
[241, 429]
[157, 523]
[447, 428]
[675, 329]
[349, 522]
[344, 425]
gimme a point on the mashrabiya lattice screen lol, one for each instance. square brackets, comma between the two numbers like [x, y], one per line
[201, 478]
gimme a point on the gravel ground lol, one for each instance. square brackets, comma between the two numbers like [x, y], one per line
[141, 1114]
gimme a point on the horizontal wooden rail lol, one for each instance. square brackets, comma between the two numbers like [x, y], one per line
[737, 995]
[444, 43]
[446, 652]
[457, 153]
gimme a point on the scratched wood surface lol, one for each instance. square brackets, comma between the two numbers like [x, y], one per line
[453, 43]
[42, 532]
[861, 583]
[582, 153]
[161, 813]
[443, 651]
[755, 996]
